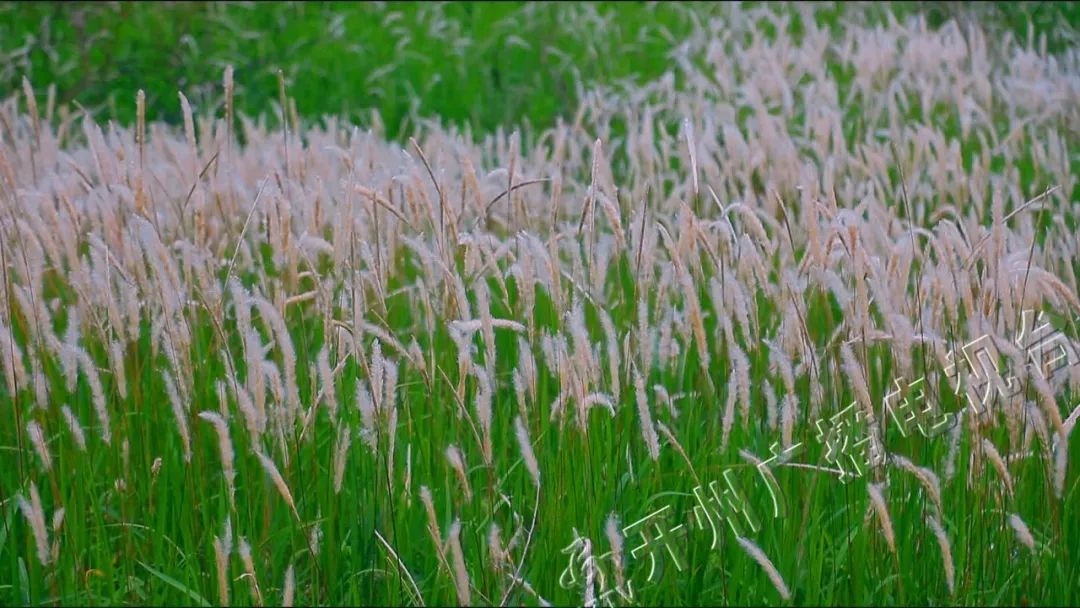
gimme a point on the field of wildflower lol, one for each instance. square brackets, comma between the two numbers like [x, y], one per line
[780, 310]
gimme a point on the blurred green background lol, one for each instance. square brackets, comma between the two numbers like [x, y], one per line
[482, 64]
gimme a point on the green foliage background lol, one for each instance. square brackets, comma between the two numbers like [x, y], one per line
[482, 64]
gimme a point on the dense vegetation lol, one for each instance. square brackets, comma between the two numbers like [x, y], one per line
[482, 65]
[600, 258]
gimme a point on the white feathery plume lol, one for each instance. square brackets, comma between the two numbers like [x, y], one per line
[1070, 422]
[772, 413]
[612, 346]
[527, 454]
[527, 367]
[74, 427]
[180, 414]
[1061, 465]
[222, 550]
[315, 536]
[249, 570]
[1023, 534]
[341, 456]
[116, 362]
[946, 552]
[878, 503]
[469, 326]
[666, 432]
[57, 521]
[482, 403]
[858, 382]
[728, 419]
[789, 409]
[461, 577]
[11, 360]
[35, 516]
[999, 464]
[759, 556]
[483, 308]
[1048, 402]
[644, 335]
[41, 389]
[432, 520]
[279, 481]
[226, 448]
[254, 379]
[68, 351]
[37, 438]
[495, 549]
[925, 476]
[254, 420]
[589, 593]
[97, 394]
[366, 405]
[289, 593]
[283, 341]
[648, 430]
[691, 146]
[594, 399]
[519, 391]
[740, 379]
[615, 540]
[457, 463]
[31, 104]
[326, 377]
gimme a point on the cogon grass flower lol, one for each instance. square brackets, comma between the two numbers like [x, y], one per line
[946, 552]
[615, 540]
[457, 463]
[226, 449]
[1023, 534]
[999, 465]
[527, 454]
[495, 549]
[288, 594]
[432, 520]
[461, 577]
[759, 556]
[222, 550]
[37, 438]
[35, 516]
[249, 570]
[97, 394]
[279, 481]
[341, 455]
[926, 477]
[648, 430]
[877, 501]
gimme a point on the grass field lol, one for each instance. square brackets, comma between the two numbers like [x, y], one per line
[485, 65]
[601, 268]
